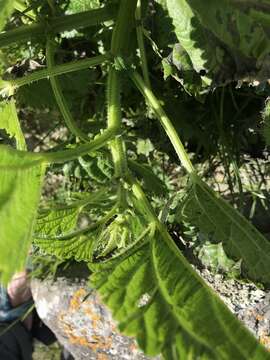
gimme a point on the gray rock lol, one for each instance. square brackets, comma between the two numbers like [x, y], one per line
[81, 323]
[84, 326]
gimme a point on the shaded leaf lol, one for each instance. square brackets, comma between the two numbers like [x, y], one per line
[220, 222]
[151, 181]
[233, 27]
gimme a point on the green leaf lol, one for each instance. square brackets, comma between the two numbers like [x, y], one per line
[190, 33]
[10, 123]
[21, 182]
[156, 296]
[77, 247]
[220, 222]
[6, 7]
[221, 39]
[55, 222]
[53, 234]
[236, 29]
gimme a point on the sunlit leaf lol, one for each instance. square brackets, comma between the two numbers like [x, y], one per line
[156, 296]
[20, 187]
[6, 7]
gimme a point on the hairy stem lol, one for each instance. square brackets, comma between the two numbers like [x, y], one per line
[57, 24]
[165, 121]
[62, 156]
[59, 96]
[57, 70]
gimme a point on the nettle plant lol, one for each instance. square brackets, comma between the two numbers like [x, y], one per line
[137, 268]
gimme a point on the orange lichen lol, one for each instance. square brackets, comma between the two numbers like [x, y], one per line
[95, 342]
[259, 317]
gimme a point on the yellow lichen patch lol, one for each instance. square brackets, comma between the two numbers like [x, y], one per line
[76, 299]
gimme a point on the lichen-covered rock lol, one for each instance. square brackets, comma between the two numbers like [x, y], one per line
[82, 324]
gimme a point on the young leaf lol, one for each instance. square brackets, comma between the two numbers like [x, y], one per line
[20, 188]
[220, 222]
[6, 7]
[157, 297]
[121, 233]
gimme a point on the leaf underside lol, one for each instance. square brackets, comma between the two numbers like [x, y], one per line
[54, 224]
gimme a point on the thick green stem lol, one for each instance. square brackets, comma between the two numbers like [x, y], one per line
[165, 121]
[140, 40]
[123, 27]
[57, 24]
[57, 70]
[59, 96]
[119, 44]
